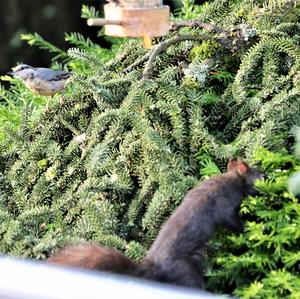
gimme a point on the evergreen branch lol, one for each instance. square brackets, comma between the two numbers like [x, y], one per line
[69, 126]
[80, 41]
[89, 12]
[137, 63]
[36, 40]
[162, 46]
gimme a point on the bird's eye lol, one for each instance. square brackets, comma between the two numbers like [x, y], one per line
[22, 68]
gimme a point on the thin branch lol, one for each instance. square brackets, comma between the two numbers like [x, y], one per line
[229, 42]
[163, 46]
[173, 27]
[195, 23]
[137, 63]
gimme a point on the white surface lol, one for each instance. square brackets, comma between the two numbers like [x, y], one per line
[37, 280]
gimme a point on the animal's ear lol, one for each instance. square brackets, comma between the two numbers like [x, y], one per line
[232, 164]
[237, 165]
[242, 167]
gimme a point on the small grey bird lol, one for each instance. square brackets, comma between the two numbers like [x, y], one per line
[43, 81]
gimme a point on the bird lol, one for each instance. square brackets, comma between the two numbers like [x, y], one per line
[40, 80]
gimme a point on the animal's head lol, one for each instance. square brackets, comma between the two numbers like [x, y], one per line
[22, 71]
[249, 174]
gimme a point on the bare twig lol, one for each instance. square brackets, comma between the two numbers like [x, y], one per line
[173, 27]
[230, 42]
[195, 23]
[163, 46]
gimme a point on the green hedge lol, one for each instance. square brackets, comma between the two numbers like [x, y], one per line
[111, 158]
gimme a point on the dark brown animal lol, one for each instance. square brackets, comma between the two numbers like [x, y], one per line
[173, 255]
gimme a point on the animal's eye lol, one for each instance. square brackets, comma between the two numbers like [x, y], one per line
[22, 68]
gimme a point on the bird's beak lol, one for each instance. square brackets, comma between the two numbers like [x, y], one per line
[10, 73]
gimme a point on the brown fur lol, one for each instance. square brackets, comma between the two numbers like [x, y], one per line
[94, 257]
[173, 257]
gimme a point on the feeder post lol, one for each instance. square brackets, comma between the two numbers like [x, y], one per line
[134, 18]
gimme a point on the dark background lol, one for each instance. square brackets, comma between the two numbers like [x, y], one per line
[51, 19]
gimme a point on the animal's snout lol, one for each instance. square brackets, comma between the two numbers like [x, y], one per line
[262, 176]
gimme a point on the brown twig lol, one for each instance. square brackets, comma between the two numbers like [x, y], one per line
[173, 27]
[162, 46]
[229, 41]
[195, 23]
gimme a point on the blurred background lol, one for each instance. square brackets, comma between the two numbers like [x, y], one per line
[49, 18]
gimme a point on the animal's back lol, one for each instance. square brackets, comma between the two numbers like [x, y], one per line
[192, 222]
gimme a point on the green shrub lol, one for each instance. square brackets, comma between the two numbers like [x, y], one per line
[263, 262]
[111, 159]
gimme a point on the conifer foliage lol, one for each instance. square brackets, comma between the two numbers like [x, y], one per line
[113, 156]
[264, 261]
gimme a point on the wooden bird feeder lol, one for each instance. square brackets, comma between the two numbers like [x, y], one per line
[133, 18]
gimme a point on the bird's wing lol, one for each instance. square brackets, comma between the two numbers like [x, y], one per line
[52, 75]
